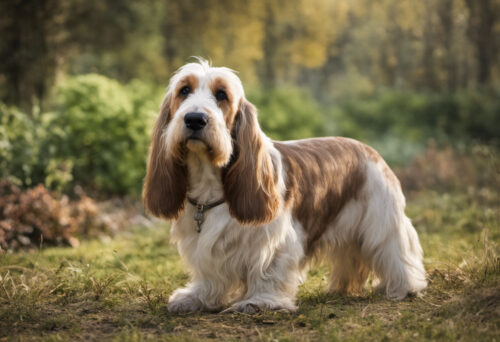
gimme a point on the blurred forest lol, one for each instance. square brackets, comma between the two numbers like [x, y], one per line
[334, 48]
[81, 81]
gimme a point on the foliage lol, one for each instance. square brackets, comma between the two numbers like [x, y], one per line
[18, 146]
[393, 120]
[96, 136]
[101, 129]
[324, 45]
[459, 116]
[40, 37]
[287, 113]
[98, 132]
[117, 289]
[23, 160]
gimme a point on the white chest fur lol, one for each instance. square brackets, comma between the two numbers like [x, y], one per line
[226, 259]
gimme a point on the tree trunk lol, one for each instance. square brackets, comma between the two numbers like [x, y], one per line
[29, 50]
[268, 76]
[445, 13]
[480, 29]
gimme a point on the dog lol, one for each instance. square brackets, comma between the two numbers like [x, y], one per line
[251, 214]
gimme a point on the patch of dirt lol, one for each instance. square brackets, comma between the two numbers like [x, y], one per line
[483, 305]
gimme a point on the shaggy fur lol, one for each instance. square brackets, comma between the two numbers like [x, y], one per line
[286, 203]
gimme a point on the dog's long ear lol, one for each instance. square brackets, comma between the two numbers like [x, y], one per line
[250, 180]
[165, 187]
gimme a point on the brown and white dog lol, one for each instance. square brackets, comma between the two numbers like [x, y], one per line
[270, 207]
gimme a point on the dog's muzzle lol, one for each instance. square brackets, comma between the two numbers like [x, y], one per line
[195, 120]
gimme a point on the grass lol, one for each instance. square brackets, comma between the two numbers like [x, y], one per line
[117, 289]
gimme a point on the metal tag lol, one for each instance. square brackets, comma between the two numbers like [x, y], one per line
[198, 217]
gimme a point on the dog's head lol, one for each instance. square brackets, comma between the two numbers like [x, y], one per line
[205, 112]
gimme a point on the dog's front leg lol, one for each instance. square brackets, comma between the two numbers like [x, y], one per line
[268, 294]
[272, 289]
[186, 299]
[199, 295]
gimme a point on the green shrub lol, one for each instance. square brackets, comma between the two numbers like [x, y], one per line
[100, 131]
[462, 116]
[288, 113]
[18, 147]
[400, 123]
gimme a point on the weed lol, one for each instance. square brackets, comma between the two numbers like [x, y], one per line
[155, 300]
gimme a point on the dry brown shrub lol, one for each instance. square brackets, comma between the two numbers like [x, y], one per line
[34, 216]
[446, 169]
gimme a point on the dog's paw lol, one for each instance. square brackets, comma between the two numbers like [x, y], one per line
[244, 307]
[252, 307]
[184, 303]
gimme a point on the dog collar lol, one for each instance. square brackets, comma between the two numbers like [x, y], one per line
[200, 210]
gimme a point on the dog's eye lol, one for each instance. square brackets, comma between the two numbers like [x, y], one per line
[184, 91]
[221, 95]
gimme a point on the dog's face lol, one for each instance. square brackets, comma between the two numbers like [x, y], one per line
[203, 103]
[205, 112]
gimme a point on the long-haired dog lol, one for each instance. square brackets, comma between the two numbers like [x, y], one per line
[249, 213]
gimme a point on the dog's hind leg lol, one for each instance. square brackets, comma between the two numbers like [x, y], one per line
[398, 263]
[348, 272]
[389, 241]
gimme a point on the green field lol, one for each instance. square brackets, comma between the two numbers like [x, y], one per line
[117, 289]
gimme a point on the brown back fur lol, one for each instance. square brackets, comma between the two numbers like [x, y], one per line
[323, 174]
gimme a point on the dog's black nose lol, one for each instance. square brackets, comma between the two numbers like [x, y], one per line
[195, 120]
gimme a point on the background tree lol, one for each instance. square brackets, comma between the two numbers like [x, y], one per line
[31, 49]
[482, 17]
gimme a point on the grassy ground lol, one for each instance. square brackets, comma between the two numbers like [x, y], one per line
[117, 289]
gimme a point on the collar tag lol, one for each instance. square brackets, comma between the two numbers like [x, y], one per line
[198, 217]
[200, 210]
